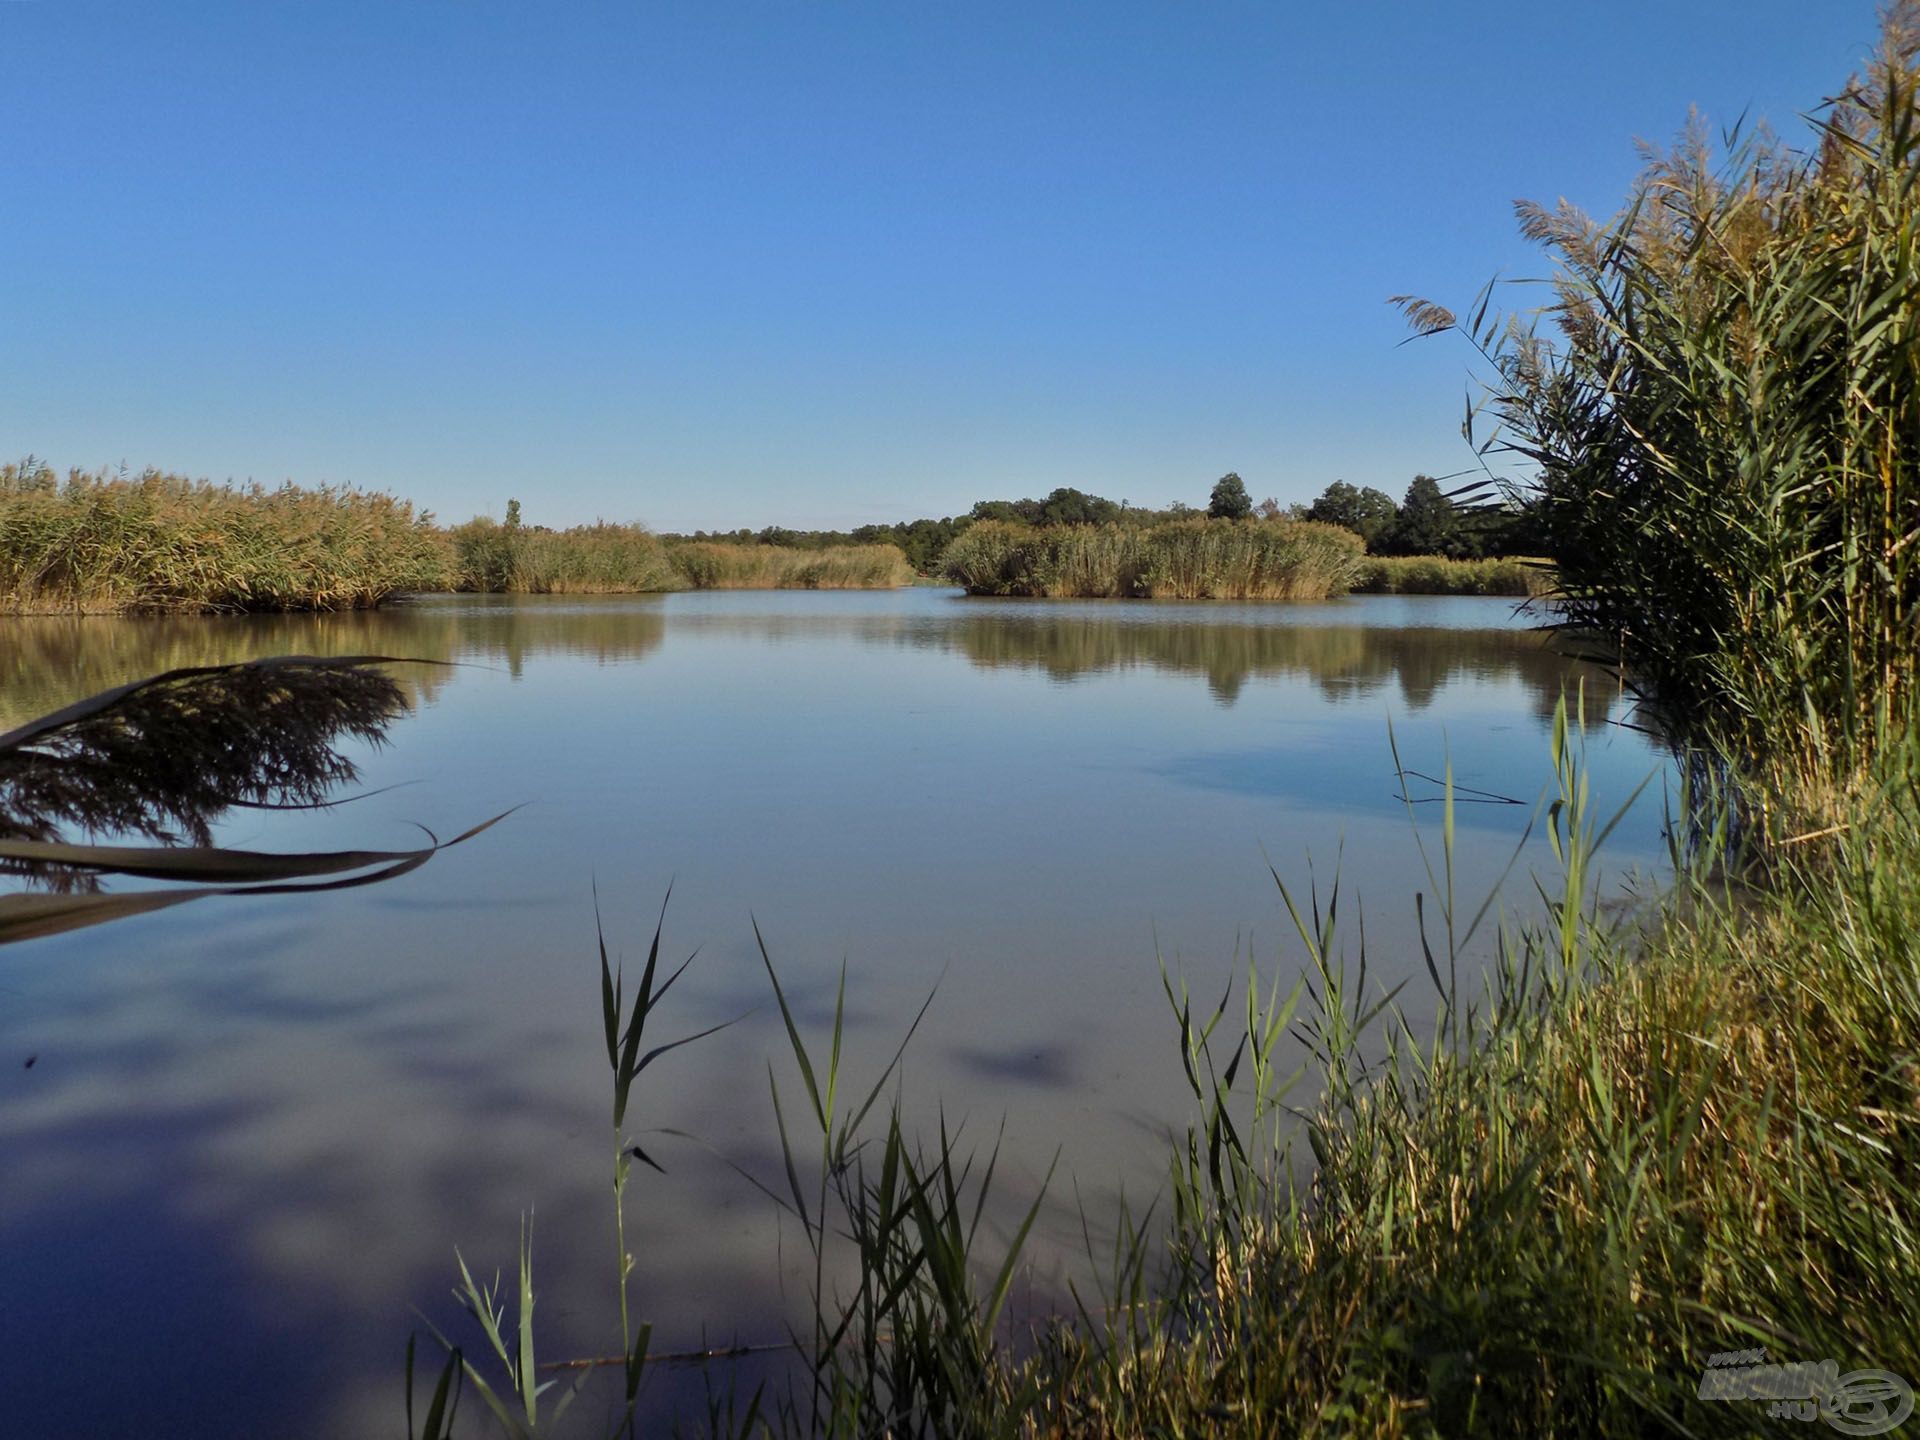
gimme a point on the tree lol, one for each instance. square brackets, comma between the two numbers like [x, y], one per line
[1067, 506]
[1008, 510]
[1429, 522]
[1368, 513]
[1063, 506]
[1230, 500]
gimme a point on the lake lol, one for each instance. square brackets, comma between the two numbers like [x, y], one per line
[257, 1128]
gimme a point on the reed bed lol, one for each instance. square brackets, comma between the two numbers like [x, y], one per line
[1437, 575]
[1726, 423]
[605, 559]
[1179, 560]
[158, 542]
[110, 544]
[598, 559]
[704, 565]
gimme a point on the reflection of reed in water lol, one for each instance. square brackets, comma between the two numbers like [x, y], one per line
[161, 759]
[1344, 661]
[166, 760]
[48, 662]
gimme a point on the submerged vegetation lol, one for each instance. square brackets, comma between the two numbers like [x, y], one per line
[1210, 559]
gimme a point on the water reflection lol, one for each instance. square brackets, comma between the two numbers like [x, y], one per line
[1347, 662]
[47, 661]
[50, 660]
[274, 1129]
[164, 759]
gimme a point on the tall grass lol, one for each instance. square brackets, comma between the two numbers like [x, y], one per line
[1178, 560]
[515, 1396]
[608, 559]
[106, 544]
[704, 565]
[598, 559]
[1625, 1156]
[1437, 575]
[1726, 425]
[156, 542]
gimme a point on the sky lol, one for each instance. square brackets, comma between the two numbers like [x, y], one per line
[706, 265]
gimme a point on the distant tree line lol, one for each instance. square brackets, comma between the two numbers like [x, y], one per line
[1429, 521]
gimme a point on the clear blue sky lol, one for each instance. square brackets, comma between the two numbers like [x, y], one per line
[713, 264]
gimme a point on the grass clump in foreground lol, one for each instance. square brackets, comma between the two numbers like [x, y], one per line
[1437, 575]
[1627, 1156]
[1177, 560]
[157, 542]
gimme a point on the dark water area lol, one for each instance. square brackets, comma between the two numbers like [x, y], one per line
[256, 1128]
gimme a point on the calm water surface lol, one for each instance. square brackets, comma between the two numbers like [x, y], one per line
[257, 1128]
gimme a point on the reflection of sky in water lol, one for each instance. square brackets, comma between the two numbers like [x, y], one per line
[257, 1129]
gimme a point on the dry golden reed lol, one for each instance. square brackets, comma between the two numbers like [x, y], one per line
[159, 542]
[1178, 560]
